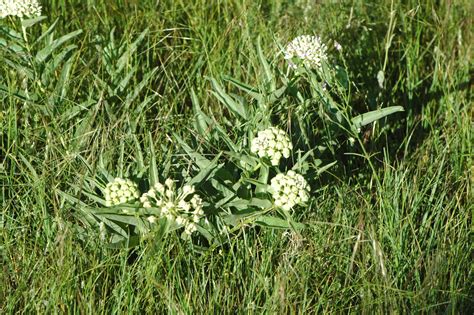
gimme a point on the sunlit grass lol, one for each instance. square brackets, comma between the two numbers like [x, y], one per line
[393, 235]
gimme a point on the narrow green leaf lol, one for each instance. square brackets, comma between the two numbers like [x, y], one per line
[131, 49]
[266, 67]
[235, 107]
[204, 173]
[30, 22]
[326, 167]
[154, 179]
[250, 90]
[44, 53]
[372, 116]
[200, 118]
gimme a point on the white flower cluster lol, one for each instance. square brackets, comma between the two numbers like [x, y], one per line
[272, 143]
[20, 8]
[172, 204]
[307, 49]
[289, 190]
[120, 191]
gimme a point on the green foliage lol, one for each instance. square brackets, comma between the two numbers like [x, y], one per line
[178, 89]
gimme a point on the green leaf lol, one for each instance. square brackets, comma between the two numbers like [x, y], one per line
[124, 242]
[263, 178]
[113, 226]
[250, 90]
[131, 49]
[47, 32]
[138, 155]
[30, 22]
[53, 65]
[44, 53]
[325, 167]
[238, 108]
[204, 173]
[201, 119]
[127, 219]
[372, 116]
[154, 179]
[266, 67]
[244, 204]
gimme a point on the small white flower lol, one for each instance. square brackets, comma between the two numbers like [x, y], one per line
[180, 205]
[144, 198]
[169, 194]
[272, 143]
[151, 193]
[187, 190]
[152, 219]
[337, 46]
[180, 220]
[184, 205]
[159, 188]
[289, 189]
[120, 191]
[307, 49]
[20, 8]
[190, 228]
[169, 183]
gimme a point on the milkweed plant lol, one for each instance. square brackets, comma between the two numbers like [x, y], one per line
[255, 169]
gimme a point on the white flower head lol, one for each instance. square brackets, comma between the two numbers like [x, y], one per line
[307, 49]
[120, 191]
[180, 205]
[20, 8]
[272, 143]
[289, 189]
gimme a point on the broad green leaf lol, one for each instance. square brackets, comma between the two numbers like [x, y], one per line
[30, 22]
[236, 219]
[243, 160]
[250, 90]
[118, 241]
[127, 219]
[204, 173]
[372, 116]
[275, 95]
[235, 107]
[47, 32]
[44, 53]
[326, 167]
[261, 203]
[223, 134]
[52, 66]
[112, 225]
[263, 179]
[63, 82]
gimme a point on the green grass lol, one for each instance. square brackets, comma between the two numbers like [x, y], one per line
[394, 237]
